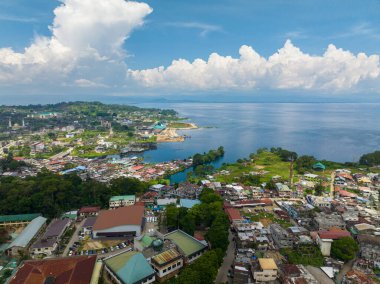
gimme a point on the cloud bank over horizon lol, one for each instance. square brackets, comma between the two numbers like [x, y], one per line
[85, 37]
[288, 68]
[86, 51]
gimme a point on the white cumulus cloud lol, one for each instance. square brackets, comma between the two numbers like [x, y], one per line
[85, 33]
[288, 68]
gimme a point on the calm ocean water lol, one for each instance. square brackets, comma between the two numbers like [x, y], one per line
[332, 131]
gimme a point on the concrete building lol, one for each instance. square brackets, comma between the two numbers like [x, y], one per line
[122, 222]
[122, 200]
[129, 268]
[324, 221]
[370, 249]
[283, 190]
[167, 264]
[265, 270]
[23, 241]
[325, 239]
[188, 246]
[88, 211]
[280, 236]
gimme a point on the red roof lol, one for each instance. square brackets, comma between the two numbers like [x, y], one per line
[89, 209]
[346, 193]
[128, 215]
[137, 168]
[334, 234]
[233, 214]
[67, 270]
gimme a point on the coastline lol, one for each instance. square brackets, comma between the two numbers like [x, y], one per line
[170, 134]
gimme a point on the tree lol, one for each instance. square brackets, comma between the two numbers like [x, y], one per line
[370, 159]
[344, 249]
[318, 189]
[305, 163]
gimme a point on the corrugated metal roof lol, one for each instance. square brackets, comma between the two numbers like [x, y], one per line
[18, 218]
[123, 197]
[166, 256]
[29, 232]
[130, 267]
[188, 203]
[185, 242]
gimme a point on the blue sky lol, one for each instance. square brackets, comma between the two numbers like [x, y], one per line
[158, 32]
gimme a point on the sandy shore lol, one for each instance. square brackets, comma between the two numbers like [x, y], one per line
[171, 135]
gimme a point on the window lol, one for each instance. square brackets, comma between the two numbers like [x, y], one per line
[174, 265]
[163, 271]
[178, 263]
[169, 268]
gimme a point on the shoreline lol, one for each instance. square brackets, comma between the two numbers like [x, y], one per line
[170, 134]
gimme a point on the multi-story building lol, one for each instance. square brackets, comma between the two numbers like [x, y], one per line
[167, 264]
[265, 270]
[121, 201]
[280, 236]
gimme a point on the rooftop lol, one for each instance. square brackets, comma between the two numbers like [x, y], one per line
[29, 232]
[186, 243]
[130, 267]
[18, 218]
[188, 203]
[166, 256]
[267, 263]
[89, 209]
[123, 197]
[68, 270]
[129, 215]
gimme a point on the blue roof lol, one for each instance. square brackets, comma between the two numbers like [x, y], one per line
[189, 203]
[78, 168]
[29, 232]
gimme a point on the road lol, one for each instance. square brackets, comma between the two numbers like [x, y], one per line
[227, 262]
[74, 238]
[346, 267]
[319, 275]
[332, 184]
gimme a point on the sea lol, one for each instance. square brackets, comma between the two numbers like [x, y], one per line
[333, 131]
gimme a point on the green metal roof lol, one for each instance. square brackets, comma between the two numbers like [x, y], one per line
[18, 218]
[185, 242]
[130, 267]
[122, 197]
[146, 240]
[319, 165]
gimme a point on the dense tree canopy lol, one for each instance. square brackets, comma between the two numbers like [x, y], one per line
[305, 163]
[344, 249]
[52, 194]
[212, 155]
[370, 159]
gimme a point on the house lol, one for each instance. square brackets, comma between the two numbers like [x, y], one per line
[281, 237]
[123, 200]
[167, 264]
[265, 270]
[48, 242]
[188, 246]
[88, 211]
[283, 190]
[124, 222]
[325, 239]
[22, 242]
[370, 249]
[68, 270]
[129, 268]
[319, 167]
[319, 201]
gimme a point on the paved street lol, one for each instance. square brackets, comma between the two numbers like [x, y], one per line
[227, 261]
[346, 267]
[74, 238]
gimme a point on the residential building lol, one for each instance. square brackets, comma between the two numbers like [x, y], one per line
[129, 267]
[291, 274]
[68, 270]
[324, 221]
[49, 241]
[122, 222]
[283, 190]
[325, 239]
[88, 225]
[281, 237]
[167, 264]
[188, 203]
[122, 200]
[370, 248]
[265, 270]
[88, 211]
[23, 241]
[188, 246]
